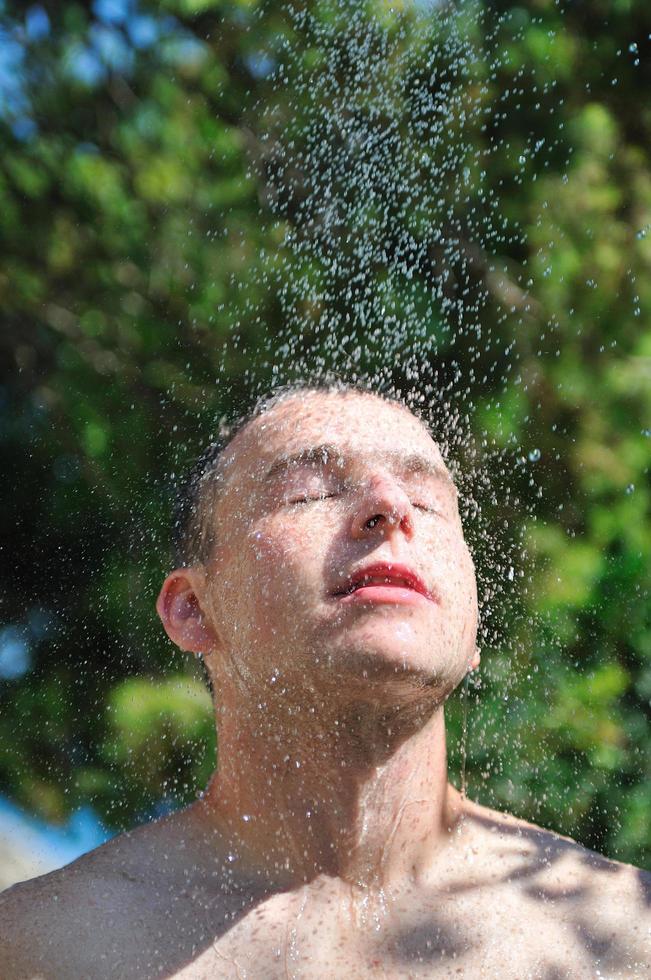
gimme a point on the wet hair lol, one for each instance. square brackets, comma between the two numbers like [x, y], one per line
[193, 526]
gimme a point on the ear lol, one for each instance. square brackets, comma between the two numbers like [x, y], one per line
[181, 614]
[475, 660]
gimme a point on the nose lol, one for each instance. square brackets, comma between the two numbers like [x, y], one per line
[384, 508]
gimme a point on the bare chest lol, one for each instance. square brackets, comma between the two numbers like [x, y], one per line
[475, 933]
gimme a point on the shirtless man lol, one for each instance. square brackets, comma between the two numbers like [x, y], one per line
[327, 584]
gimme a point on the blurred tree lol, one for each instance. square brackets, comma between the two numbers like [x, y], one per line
[164, 250]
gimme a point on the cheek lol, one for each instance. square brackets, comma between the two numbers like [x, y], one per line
[268, 577]
[454, 570]
[464, 597]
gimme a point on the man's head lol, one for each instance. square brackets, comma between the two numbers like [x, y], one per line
[325, 552]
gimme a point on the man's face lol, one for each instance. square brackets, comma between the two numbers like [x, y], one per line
[340, 557]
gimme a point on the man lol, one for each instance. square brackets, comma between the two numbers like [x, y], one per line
[327, 585]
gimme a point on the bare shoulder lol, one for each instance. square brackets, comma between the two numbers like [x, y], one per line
[129, 901]
[35, 915]
[552, 867]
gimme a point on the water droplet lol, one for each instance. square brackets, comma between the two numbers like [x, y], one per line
[534, 455]
[630, 488]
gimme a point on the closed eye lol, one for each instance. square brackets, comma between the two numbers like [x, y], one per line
[427, 508]
[308, 498]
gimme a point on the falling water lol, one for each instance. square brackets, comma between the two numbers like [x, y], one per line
[464, 733]
[373, 157]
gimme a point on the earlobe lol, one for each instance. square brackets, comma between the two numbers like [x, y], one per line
[181, 614]
[475, 660]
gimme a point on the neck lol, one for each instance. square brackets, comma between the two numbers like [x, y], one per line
[358, 792]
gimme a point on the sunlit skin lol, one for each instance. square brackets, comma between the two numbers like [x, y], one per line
[336, 611]
[343, 680]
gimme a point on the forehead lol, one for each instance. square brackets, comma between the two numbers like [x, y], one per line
[355, 423]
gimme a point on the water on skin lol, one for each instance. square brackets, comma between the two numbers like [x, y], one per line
[464, 734]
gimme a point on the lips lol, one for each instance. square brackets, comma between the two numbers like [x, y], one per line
[381, 578]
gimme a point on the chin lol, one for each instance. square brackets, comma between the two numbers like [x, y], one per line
[399, 663]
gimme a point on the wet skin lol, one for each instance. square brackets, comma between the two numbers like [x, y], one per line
[336, 613]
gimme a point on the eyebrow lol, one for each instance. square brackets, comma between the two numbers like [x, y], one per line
[321, 454]
[415, 463]
[326, 453]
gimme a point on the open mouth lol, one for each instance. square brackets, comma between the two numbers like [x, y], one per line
[385, 582]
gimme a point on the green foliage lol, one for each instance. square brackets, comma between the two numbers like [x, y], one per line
[163, 732]
[144, 269]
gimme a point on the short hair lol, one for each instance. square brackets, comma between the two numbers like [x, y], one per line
[192, 528]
